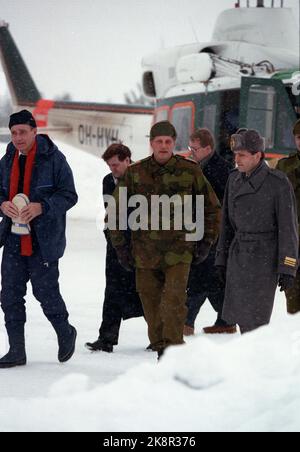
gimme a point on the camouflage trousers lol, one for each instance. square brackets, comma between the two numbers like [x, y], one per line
[163, 295]
[293, 296]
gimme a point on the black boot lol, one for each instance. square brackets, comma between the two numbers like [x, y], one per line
[66, 336]
[16, 355]
[160, 353]
[99, 345]
[151, 348]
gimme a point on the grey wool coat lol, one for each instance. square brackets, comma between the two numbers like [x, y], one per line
[258, 241]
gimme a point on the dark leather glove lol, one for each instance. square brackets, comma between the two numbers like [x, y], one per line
[201, 252]
[285, 282]
[221, 272]
[125, 258]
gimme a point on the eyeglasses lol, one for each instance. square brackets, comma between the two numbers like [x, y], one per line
[192, 149]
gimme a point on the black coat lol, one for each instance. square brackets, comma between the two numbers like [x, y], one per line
[118, 281]
[203, 277]
[217, 171]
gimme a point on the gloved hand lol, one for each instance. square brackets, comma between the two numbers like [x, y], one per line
[221, 272]
[285, 282]
[201, 252]
[125, 258]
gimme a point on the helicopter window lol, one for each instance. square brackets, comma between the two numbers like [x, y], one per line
[162, 114]
[285, 122]
[209, 117]
[183, 120]
[285, 127]
[294, 100]
[261, 112]
[229, 121]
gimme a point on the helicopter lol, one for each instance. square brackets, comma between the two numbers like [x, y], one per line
[247, 76]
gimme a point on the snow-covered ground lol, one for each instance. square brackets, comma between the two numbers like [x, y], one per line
[233, 383]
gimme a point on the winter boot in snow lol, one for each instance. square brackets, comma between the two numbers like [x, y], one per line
[99, 346]
[188, 330]
[220, 329]
[151, 348]
[160, 353]
[16, 355]
[66, 335]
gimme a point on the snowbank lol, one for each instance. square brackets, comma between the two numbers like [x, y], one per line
[249, 383]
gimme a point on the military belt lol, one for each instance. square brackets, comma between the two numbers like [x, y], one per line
[256, 236]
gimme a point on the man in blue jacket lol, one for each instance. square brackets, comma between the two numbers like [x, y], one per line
[33, 166]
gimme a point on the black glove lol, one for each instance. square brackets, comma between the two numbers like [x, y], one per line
[221, 272]
[125, 258]
[285, 282]
[201, 252]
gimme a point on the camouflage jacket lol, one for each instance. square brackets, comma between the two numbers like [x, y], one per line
[291, 167]
[157, 248]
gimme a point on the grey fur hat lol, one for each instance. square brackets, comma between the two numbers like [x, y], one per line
[247, 140]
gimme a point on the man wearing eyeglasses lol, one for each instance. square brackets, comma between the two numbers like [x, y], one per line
[204, 282]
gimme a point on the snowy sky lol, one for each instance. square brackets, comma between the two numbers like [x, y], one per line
[93, 48]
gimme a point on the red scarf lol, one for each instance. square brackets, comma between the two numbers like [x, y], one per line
[26, 240]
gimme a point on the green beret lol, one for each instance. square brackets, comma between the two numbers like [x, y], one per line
[296, 130]
[163, 129]
[247, 140]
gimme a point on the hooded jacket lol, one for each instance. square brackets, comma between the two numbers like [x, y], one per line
[52, 185]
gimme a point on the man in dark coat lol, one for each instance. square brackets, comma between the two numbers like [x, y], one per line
[259, 242]
[291, 167]
[121, 300]
[34, 167]
[204, 282]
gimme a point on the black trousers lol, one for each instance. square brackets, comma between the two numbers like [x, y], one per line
[16, 272]
[204, 284]
[196, 301]
[121, 300]
[113, 313]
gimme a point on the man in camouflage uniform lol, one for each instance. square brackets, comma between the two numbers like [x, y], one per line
[291, 167]
[163, 257]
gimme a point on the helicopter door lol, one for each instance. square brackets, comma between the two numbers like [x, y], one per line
[266, 106]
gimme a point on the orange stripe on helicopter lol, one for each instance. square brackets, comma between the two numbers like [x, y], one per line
[41, 112]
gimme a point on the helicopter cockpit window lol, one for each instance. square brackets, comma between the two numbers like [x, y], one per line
[261, 112]
[182, 119]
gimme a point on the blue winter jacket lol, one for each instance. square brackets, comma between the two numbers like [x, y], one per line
[52, 184]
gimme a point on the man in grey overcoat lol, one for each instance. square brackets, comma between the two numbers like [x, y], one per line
[259, 240]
